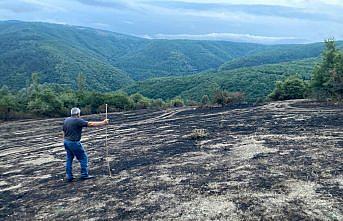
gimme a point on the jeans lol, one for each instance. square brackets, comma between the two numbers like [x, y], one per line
[75, 149]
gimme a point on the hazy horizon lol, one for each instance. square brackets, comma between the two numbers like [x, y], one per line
[254, 21]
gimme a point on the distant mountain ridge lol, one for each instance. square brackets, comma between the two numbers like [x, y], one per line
[57, 52]
[109, 60]
[112, 61]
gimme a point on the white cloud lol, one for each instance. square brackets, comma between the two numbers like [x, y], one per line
[227, 37]
[128, 22]
[223, 15]
[310, 19]
[289, 3]
[47, 5]
[238, 17]
[101, 25]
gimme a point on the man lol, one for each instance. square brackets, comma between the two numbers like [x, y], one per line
[72, 129]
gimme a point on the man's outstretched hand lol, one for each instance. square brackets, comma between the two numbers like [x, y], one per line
[99, 123]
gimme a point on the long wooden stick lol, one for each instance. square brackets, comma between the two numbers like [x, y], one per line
[108, 162]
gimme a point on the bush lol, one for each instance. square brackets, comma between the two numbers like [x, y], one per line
[177, 102]
[7, 105]
[291, 88]
[205, 100]
[157, 104]
[140, 102]
[119, 100]
[198, 134]
[236, 97]
[223, 97]
[137, 97]
[92, 100]
[69, 100]
[45, 103]
[143, 104]
[192, 103]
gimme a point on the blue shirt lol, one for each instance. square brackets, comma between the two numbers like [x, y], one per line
[72, 128]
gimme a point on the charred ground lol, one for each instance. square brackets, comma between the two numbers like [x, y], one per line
[279, 161]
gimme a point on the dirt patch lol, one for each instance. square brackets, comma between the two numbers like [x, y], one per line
[42, 159]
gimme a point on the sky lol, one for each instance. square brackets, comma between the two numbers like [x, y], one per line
[257, 21]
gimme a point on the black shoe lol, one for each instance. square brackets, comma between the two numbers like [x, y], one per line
[70, 180]
[87, 177]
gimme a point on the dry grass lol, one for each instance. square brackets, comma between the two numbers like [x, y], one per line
[198, 134]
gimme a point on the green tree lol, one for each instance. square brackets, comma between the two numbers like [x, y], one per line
[92, 101]
[205, 100]
[7, 105]
[34, 87]
[327, 77]
[4, 90]
[81, 83]
[137, 97]
[278, 91]
[119, 100]
[221, 97]
[143, 104]
[291, 88]
[157, 103]
[336, 77]
[35, 81]
[140, 101]
[46, 103]
[177, 102]
[69, 99]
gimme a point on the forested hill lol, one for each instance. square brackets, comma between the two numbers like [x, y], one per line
[276, 54]
[59, 53]
[111, 61]
[255, 82]
[108, 60]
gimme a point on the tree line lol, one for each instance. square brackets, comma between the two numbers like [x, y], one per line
[55, 100]
[326, 82]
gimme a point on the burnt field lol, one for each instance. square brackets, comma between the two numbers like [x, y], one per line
[279, 161]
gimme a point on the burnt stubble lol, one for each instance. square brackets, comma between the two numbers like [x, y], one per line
[278, 161]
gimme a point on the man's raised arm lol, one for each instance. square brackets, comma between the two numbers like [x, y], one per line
[98, 123]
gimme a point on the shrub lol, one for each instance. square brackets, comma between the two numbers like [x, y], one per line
[223, 97]
[137, 97]
[140, 102]
[157, 104]
[191, 103]
[7, 104]
[93, 100]
[69, 99]
[176, 102]
[205, 100]
[291, 88]
[119, 100]
[143, 104]
[236, 97]
[198, 134]
[45, 103]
